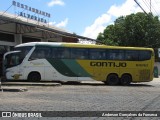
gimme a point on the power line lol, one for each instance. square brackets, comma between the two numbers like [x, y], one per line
[140, 7]
[150, 6]
[146, 4]
[6, 10]
[154, 8]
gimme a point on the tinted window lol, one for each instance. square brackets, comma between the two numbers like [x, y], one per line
[60, 53]
[40, 53]
[24, 50]
[97, 54]
[132, 55]
[115, 54]
[145, 55]
[79, 53]
[13, 59]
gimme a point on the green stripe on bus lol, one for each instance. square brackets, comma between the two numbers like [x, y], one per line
[68, 68]
[74, 66]
[61, 67]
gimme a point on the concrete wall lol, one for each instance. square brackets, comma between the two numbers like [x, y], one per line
[10, 27]
[18, 38]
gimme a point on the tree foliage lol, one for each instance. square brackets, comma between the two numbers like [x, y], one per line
[138, 29]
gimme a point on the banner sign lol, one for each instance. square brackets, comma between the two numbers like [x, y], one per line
[31, 9]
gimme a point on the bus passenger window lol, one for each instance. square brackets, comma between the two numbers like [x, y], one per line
[145, 55]
[79, 53]
[40, 53]
[66, 53]
[115, 54]
[61, 53]
[53, 53]
[97, 54]
[131, 55]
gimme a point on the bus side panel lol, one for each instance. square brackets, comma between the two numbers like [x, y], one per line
[129, 69]
[58, 70]
[144, 69]
[92, 73]
[99, 69]
[34, 66]
[14, 73]
[139, 70]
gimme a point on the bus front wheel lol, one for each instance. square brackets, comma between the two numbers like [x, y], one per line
[126, 79]
[34, 77]
[112, 79]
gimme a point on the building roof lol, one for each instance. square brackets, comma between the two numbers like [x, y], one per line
[28, 21]
[38, 26]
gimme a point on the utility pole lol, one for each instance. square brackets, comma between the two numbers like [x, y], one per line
[150, 6]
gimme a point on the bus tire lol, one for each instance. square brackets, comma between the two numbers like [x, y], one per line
[126, 79]
[34, 77]
[112, 79]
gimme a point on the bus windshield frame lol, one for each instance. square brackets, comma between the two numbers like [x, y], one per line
[24, 49]
[12, 59]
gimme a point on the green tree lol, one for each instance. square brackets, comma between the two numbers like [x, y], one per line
[137, 29]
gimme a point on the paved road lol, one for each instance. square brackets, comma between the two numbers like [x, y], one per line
[87, 96]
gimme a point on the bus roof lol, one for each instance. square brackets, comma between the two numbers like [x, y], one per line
[80, 45]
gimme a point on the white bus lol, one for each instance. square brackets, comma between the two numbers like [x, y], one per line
[37, 61]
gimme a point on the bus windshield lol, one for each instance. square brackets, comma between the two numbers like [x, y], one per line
[13, 59]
